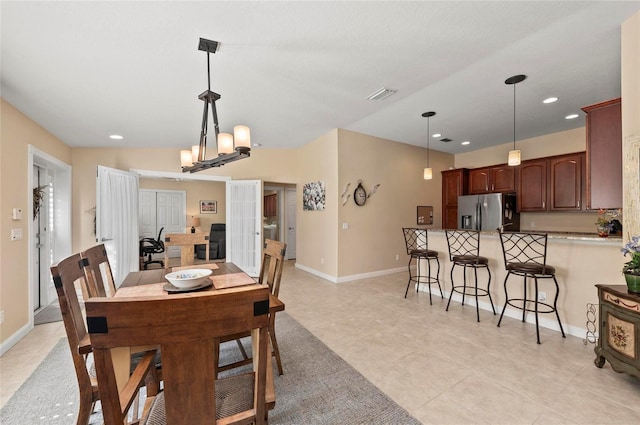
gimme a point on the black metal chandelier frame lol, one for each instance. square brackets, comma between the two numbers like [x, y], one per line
[209, 98]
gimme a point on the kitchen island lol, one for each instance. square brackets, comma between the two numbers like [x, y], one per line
[581, 260]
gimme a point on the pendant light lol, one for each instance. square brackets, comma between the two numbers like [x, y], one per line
[230, 147]
[514, 155]
[428, 172]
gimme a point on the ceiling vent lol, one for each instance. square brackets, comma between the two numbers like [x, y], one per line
[446, 140]
[381, 94]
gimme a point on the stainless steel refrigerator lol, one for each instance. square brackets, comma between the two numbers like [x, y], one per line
[488, 212]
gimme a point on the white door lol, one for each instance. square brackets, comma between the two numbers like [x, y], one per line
[117, 219]
[147, 213]
[244, 224]
[290, 199]
[171, 214]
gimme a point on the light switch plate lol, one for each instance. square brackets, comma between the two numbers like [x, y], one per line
[16, 234]
[16, 214]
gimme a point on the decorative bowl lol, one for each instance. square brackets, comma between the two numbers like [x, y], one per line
[188, 278]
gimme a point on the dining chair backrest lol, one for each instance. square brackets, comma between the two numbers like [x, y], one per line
[65, 275]
[272, 263]
[463, 243]
[97, 270]
[186, 327]
[186, 242]
[524, 248]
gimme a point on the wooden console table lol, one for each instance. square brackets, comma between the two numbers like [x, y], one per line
[619, 329]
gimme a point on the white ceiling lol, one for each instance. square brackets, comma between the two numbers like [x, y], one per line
[292, 71]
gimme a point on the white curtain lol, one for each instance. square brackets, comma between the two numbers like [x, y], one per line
[244, 224]
[117, 219]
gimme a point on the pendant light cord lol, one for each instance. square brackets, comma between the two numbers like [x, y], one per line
[514, 117]
[428, 118]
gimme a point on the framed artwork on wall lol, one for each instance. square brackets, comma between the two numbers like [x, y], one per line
[425, 215]
[208, 207]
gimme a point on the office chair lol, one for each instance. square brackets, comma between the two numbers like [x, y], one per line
[150, 246]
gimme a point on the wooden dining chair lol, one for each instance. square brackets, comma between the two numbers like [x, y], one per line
[186, 327]
[270, 274]
[65, 274]
[97, 269]
[186, 242]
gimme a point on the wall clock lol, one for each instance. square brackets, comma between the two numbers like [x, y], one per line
[360, 195]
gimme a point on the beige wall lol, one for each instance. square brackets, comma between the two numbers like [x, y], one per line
[196, 191]
[317, 239]
[374, 236]
[17, 132]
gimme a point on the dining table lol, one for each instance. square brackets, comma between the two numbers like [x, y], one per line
[225, 277]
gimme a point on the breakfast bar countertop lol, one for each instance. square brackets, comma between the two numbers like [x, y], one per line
[576, 236]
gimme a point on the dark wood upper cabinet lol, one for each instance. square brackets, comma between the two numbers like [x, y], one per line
[551, 184]
[454, 184]
[532, 186]
[492, 179]
[604, 155]
[270, 205]
[566, 182]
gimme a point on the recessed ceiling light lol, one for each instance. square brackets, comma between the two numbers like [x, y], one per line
[466, 142]
[257, 145]
[570, 117]
[550, 100]
[436, 135]
[116, 137]
[380, 94]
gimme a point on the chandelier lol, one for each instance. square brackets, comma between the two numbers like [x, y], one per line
[229, 147]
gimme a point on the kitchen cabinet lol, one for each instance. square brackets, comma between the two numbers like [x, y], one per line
[454, 184]
[566, 182]
[551, 184]
[619, 329]
[604, 155]
[492, 179]
[532, 186]
[271, 205]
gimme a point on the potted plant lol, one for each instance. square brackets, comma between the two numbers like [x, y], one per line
[605, 221]
[631, 269]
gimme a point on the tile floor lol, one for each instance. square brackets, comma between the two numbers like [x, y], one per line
[443, 367]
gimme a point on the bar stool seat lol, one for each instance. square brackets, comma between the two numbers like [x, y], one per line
[464, 249]
[417, 244]
[470, 259]
[525, 254]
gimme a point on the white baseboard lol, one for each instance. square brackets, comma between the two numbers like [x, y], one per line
[16, 337]
[543, 322]
[349, 278]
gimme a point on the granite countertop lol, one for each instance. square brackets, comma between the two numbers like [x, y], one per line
[583, 236]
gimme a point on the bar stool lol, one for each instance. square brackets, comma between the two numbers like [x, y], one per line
[417, 244]
[525, 254]
[464, 250]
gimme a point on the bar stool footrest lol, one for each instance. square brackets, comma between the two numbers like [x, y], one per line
[546, 308]
[470, 291]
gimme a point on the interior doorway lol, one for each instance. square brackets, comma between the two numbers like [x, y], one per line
[49, 222]
[279, 221]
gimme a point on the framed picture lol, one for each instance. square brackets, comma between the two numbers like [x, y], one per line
[425, 215]
[313, 196]
[208, 207]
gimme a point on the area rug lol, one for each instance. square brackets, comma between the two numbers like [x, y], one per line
[318, 387]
